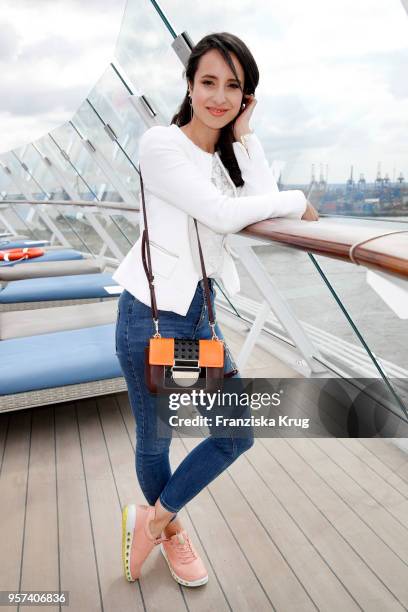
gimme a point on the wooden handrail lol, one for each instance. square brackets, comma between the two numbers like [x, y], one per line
[328, 237]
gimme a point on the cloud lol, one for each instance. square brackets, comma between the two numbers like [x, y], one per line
[66, 4]
[51, 53]
[42, 98]
[9, 42]
[332, 75]
[54, 47]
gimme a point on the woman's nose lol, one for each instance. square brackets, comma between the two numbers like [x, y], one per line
[219, 97]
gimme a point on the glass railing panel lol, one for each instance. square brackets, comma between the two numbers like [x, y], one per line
[66, 145]
[110, 98]
[299, 282]
[15, 216]
[378, 323]
[76, 228]
[119, 162]
[144, 51]
[86, 180]
[355, 332]
[90, 128]
[21, 178]
[90, 183]
[40, 171]
[7, 187]
[66, 173]
[95, 230]
[129, 230]
[374, 307]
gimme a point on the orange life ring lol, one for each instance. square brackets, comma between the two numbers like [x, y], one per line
[25, 253]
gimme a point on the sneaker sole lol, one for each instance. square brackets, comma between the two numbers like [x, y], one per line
[189, 583]
[128, 526]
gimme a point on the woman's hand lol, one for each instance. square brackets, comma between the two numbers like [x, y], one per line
[310, 213]
[241, 127]
[241, 124]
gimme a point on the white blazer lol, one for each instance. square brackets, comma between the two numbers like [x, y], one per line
[177, 184]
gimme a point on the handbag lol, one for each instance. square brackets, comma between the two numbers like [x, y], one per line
[174, 364]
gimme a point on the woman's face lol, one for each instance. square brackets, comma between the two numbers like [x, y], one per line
[216, 96]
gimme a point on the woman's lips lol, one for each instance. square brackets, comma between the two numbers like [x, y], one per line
[217, 113]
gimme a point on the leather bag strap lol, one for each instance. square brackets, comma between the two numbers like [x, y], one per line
[147, 265]
[205, 279]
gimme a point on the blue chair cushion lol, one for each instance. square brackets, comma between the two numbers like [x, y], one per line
[63, 255]
[21, 243]
[61, 358]
[75, 286]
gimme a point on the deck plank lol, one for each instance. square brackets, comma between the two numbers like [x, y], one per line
[13, 489]
[41, 525]
[77, 555]
[105, 511]
[4, 427]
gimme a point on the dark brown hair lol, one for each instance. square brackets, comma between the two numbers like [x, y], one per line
[225, 43]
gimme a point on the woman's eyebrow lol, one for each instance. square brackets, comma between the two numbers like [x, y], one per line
[212, 76]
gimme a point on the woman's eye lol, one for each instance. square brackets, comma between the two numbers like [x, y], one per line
[233, 85]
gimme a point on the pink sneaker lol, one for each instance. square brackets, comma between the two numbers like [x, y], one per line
[137, 541]
[184, 563]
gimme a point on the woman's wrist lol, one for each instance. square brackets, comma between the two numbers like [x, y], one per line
[241, 126]
[242, 137]
[244, 131]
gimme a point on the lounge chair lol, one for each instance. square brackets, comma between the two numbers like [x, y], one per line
[59, 254]
[20, 324]
[58, 367]
[56, 291]
[31, 269]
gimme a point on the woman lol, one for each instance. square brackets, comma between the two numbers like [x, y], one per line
[206, 165]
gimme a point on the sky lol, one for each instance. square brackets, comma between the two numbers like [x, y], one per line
[333, 87]
[51, 54]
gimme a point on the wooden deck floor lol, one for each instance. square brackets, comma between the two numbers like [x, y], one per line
[294, 524]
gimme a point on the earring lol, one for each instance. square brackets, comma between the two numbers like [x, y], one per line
[191, 106]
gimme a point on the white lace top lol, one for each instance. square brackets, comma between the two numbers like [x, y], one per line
[211, 242]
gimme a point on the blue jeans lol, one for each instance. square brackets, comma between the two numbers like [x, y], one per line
[214, 454]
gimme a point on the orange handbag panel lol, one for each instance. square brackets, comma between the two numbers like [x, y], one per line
[211, 353]
[161, 351]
